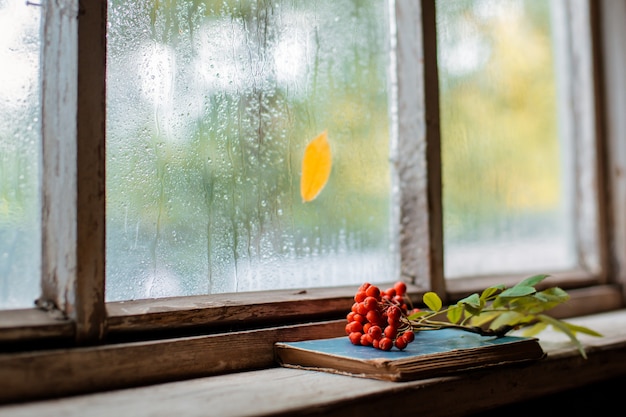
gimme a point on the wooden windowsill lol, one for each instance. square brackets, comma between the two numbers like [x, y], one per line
[280, 391]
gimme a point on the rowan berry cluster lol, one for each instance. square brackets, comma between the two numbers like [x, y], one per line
[377, 316]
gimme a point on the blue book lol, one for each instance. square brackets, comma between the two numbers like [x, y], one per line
[432, 353]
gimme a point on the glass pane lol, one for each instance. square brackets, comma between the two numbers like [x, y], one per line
[505, 178]
[20, 141]
[210, 106]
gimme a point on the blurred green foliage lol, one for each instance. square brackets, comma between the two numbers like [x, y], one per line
[500, 145]
[200, 177]
[205, 191]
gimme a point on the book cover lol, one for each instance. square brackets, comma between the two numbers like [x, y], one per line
[431, 354]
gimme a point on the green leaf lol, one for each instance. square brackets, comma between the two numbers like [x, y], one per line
[472, 310]
[472, 301]
[547, 299]
[532, 281]
[534, 303]
[455, 314]
[564, 328]
[499, 302]
[553, 294]
[534, 329]
[488, 292]
[418, 314]
[473, 304]
[523, 288]
[529, 304]
[510, 318]
[581, 329]
[484, 318]
[432, 301]
[517, 291]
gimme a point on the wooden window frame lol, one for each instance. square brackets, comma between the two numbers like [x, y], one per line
[106, 345]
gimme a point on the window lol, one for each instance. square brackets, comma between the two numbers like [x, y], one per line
[19, 155]
[142, 129]
[517, 137]
[209, 107]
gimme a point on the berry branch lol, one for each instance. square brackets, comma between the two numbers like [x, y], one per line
[382, 319]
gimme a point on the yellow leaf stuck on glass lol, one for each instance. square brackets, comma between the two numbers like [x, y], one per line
[316, 165]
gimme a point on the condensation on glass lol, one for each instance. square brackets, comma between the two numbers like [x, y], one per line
[507, 181]
[210, 105]
[20, 141]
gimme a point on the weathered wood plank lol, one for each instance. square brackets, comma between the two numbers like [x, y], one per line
[577, 130]
[280, 391]
[247, 309]
[228, 309]
[86, 305]
[32, 324]
[433, 147]
[70, 371]
[255, 308]
[604, 204]
[73, 180]
[612, 15]
[58, 108]
[415, 151]
[590, 300]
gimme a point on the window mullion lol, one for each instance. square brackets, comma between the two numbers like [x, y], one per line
[91, 179]
[600, 146]
[579, 131]
[416, 156]
[73, 58]
[610, 33]
[58, 96]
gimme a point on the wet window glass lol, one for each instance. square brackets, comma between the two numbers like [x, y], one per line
[210, 105]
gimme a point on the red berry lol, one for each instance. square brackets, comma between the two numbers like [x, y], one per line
[358, 317]
[366, 327]
[376, 332]
[375, 323]
[366, 340]
[391, 331]
[355, 338]
[361, 309]
[360, 296]
[401, 343]
[370, 303]
[393, 323]
[385, 344]
[400, 288]
[373, 291]
[354, 326]
[393, 314]
[374, 317]
[409, 336]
